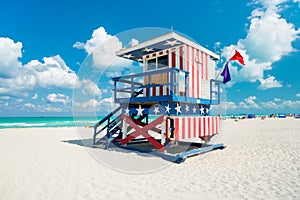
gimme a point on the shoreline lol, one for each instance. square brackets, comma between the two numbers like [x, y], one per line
[2, 126]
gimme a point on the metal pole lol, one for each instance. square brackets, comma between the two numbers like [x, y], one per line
[220, 71]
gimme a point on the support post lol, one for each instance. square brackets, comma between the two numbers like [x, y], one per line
[107, 136]
[115, 91]
[172, 84]
[132, 87]
[148, 87]
[124, 129]
[186, 86]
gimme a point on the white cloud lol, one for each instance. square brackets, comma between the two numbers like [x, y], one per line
[249, 103]
[104, 105]
[58, 98]
[4, 97]
[41, 108]
[87, 106]
[269, 82]
[298, 95]
[105, 54]
[35, 96]
[291, 103]
[98, 37]
[230, 105]
[270, 3]
[107, 101]
[51, 109]
[52, 73]
[29, 105]
[87, 87]
[18, 79]
[103, 47]
[133, 42]
[269, 38]
[297, 1]
[10, 52]
[270, 104]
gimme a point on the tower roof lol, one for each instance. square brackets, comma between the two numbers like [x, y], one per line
[160, 43]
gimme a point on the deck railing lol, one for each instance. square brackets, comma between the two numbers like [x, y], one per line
[167, 82]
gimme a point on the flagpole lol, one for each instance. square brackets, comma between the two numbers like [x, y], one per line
[220, 71]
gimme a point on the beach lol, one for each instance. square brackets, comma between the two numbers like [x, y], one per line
[261, 161]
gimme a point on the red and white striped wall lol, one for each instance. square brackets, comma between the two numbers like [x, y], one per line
[190, 59]
[197, 65]
[158, 91]
[195, 127]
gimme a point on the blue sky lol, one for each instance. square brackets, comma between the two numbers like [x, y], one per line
[43, 44]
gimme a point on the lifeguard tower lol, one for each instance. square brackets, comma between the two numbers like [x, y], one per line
[168, 104]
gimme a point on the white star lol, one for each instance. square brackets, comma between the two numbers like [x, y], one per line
[168, 108]
[187, 108]
[194, 109]
[128, 56]
[171, 43]
[148, 49]
[127, 111]
[206, 109]
[139, 60]
[201, 110]
[178, 108]
[140, 111]
[156, 110]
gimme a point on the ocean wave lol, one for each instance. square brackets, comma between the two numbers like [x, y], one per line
[44, 122]
[22, 124]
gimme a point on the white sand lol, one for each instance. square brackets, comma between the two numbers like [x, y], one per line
[261, 161]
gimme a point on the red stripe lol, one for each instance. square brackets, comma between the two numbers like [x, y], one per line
[218, 123]
[176, 132]
[147, 89]
[188, 67]
[153, 91]
[187, 58]
[183, 128]
[213, 125]
[199, 127]
[204, 125]
[195, 128]
[209, 125]
[161, 91]
[189, 127]
[173, 59]
[168, 90]
[181, 57]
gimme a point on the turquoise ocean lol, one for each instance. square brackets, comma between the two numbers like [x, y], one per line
[45, 122]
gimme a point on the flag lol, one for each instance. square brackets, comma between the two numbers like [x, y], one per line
[226, 74]
[237, 56]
